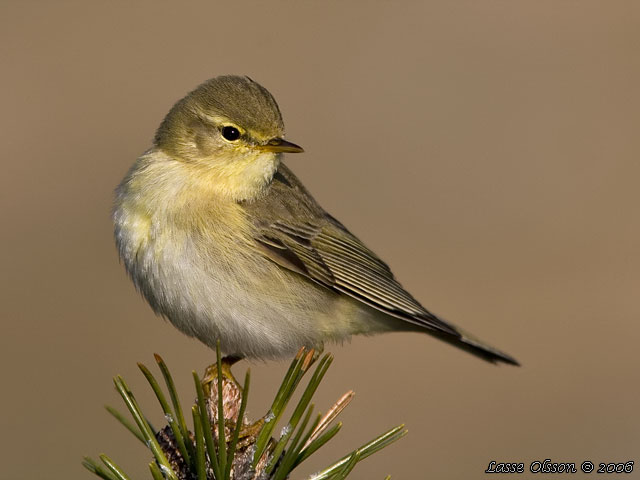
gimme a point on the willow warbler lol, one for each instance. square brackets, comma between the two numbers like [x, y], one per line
[224, 241]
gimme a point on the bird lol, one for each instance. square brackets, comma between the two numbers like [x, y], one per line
[224, 241]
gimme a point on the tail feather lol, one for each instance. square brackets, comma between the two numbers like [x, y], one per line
[468, 343]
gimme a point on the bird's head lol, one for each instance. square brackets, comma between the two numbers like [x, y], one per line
[230, 130]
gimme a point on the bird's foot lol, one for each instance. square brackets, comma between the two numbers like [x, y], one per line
[211, 373]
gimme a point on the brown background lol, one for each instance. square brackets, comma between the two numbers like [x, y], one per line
[487, 150]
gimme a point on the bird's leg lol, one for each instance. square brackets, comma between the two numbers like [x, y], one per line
[226, 363]
[231, 360]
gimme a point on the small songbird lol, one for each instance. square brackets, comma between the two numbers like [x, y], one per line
[224, 241]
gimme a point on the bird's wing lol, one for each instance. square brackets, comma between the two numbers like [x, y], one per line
[293, 231]
[336, 259]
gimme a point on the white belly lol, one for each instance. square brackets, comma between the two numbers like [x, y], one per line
[195, 262]
[255, 308]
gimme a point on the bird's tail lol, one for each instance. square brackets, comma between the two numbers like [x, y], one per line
[474, 346]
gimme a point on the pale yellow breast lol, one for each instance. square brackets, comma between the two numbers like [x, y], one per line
[193, 256]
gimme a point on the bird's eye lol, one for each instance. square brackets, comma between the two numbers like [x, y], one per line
[230, 133]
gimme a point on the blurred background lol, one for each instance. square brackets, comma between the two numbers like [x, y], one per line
[487, 150]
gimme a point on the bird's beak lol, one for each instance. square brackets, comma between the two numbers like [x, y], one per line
[280, 145]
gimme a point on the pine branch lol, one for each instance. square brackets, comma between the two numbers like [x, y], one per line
[224, 444]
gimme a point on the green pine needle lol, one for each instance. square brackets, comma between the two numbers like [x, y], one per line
[300, 408]
[97, 469]
[175, 400]
[168, 412]
[317, 443]
[208, 451]
[342, 474]
[289, 457]
[201, 468]
[364, 451]
[144, 426]
[115, 469]
[155, 471]
[126, 423]
[297, 369]
[206, 426]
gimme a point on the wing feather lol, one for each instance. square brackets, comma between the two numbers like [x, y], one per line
[337, 260]
[292, 230]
